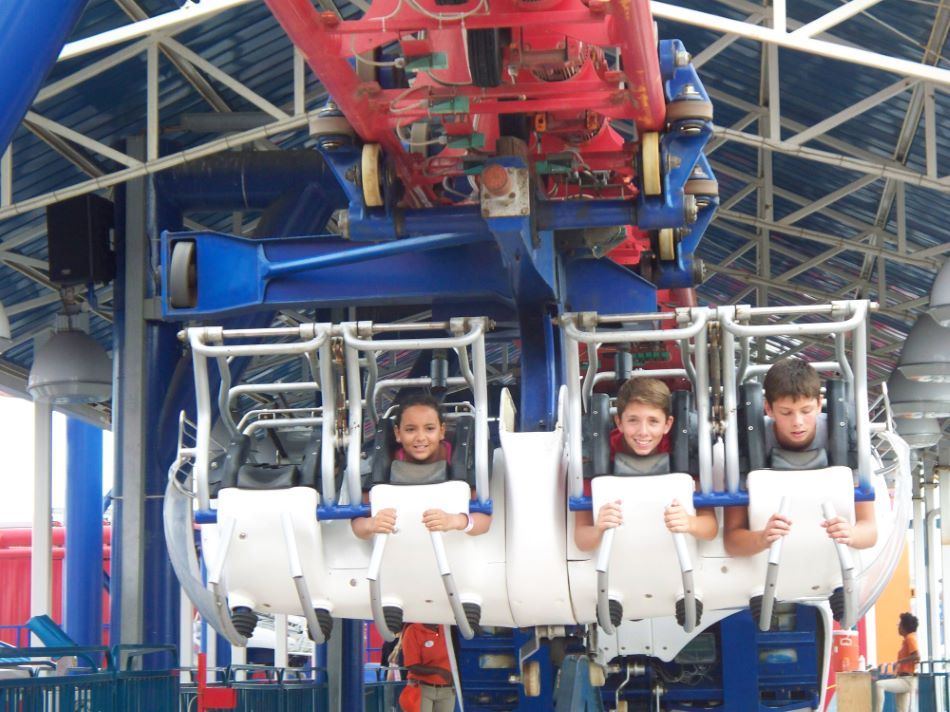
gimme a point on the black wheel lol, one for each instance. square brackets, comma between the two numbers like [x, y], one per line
[484, 56]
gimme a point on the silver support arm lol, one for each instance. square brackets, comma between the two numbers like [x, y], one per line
[689, 589]
[223, 615]
[771, 575]
[375, 592]
[438, 546]
[847, 573]
[603, 581]
[300, 582]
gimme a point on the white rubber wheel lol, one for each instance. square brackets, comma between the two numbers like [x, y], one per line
[183, 276]
[418, 138]
[650, 163]
[598, 676]
[370, 176]
[667, 244]
[531, 678]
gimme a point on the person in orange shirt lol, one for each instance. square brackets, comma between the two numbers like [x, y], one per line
[904, 685]
[426, 658]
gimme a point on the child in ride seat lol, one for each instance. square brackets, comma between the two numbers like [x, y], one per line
[420, 431]
[793, 402]
[643, 419]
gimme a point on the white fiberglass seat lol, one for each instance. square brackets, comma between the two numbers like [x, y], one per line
[272, 546]
[645, 577]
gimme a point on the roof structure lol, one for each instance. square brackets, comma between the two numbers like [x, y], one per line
[830, 148]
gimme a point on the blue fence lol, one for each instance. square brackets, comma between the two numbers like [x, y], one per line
[103, 680]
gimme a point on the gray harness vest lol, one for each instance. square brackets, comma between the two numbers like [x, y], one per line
[411, 473]
[639, 465]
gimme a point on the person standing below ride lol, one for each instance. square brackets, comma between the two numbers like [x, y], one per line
[643, 419]
[904, 686]
[420, 432]
[793, 402]
[426, 658]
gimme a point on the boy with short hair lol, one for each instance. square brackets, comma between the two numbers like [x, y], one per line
[793, 401]
[643, 419]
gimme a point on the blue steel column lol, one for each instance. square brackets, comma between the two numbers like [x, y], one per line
[31, 37]
[83, 587]
[351, 679]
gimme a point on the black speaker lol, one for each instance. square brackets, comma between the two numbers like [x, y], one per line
[78, 232]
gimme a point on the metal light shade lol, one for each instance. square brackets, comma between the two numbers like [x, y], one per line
[914, 399]
[72, 367]
[5, 335]
[940, 296]
[926, 353]
[919, 432]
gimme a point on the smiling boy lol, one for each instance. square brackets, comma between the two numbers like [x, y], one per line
[793, 402]
[643, 419]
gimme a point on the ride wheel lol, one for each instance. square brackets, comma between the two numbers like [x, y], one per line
[666, 241]
[183, 276]
[371, 175]
[531, 678]
[650, 163]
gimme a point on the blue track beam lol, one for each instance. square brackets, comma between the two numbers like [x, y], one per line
[83, 589]
[31, 37]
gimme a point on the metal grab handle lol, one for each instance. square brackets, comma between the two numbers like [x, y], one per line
[438, 546]
[375, 595]
[689, 590]
[296, 572]
[847, 571]
[603, 563]
[771, 575]
[222, 611]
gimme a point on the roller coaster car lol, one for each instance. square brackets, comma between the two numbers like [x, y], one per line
[265, 550]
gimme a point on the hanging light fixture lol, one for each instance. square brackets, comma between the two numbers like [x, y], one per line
[926, 353]
[72, 367]
[6, 338]
[919, 432]
[915, 399]
[940, 296]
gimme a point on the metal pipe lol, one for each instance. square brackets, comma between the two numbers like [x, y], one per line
[730, 404]
[862, 412]
[574, 414]
[480, 368]
[702, 402]
[372, 371]
[355, 421]
[592, 365]
[698, 314]
[476, 328]
[643, 373]
[313, 334]
[758, 330]
[277, 424]
[846, 370]
[328, 447]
